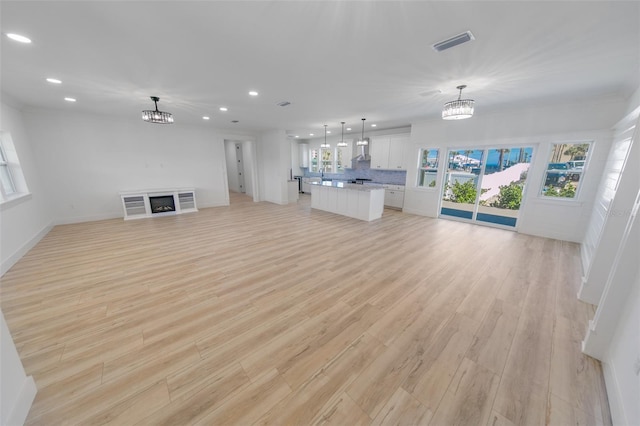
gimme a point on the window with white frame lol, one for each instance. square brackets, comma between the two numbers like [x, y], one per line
[428, 168]
[12, 183]
[565, 169]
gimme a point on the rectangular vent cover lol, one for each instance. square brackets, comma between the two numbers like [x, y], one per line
[186, 201]
[134, 206]
[453, 41]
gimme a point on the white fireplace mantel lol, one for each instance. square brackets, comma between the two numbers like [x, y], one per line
[136, 204]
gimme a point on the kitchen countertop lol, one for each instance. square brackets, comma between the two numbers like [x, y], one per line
[347, 185]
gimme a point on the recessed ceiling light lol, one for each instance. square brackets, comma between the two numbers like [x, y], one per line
[328, 131]
[205, 117]
[223, 109]
[54, 81]
[310, 134]
[253, 93]
[19, 38]
[297, 136]
[69, 99]
[349, 128]
[374, 125]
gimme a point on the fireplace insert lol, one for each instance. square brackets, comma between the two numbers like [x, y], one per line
[162, 204]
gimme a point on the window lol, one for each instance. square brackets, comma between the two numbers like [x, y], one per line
[12, 184]
[327, 160]
[428, 168]
[564, 169]
[8, 187]
[313, 154]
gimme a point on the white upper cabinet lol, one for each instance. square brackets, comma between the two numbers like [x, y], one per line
[387, 152]
[379, 151]
[303, 151]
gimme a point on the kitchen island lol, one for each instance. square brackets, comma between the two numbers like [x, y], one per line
[364, 202]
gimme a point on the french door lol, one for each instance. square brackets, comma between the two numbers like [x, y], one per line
[485, 185]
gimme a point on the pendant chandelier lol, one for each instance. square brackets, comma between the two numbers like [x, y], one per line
[362, 141]
[458, 109]
[325, 144]
[156, 116]
[342, 143]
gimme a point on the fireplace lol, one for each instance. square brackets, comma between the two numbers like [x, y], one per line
[158, 202]
[162, 204]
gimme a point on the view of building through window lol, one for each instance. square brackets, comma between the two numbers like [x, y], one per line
[564, 170]
[428, 168]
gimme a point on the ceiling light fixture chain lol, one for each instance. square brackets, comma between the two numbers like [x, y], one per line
[157, 116]
[458, 109]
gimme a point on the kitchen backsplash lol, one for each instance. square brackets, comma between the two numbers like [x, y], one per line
[391, 177]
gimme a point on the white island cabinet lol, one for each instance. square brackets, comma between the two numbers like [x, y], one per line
[364, 202]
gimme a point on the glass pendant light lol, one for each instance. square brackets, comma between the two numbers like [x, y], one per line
[325, 144]
[156, 116]
[362, 141]
[458, 109]
[342, 143]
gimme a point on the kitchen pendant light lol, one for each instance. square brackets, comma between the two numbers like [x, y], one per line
[458, 109]
[325, 144]
[362, 141]
[156, 116]
[342, 143]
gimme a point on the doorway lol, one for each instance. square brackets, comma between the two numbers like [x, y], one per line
[485, 185]
[241, 168]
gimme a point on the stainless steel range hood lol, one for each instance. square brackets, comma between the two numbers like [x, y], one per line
[362, 151]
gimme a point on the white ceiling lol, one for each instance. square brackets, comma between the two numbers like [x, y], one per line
[333, 61]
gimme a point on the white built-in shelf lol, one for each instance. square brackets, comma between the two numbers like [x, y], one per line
[158, 202]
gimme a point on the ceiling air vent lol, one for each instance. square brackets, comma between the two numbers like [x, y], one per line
[284, 103]
[453, 41]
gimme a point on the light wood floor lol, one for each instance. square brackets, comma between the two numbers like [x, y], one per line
[265, 314]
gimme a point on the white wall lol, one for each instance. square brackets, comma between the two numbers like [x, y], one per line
[250, 167]
[25, 222]
[18, 389]
[537, 127]
[274, 162]
[88, 159]
[232, 165]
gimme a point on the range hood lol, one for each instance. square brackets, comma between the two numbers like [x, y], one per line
[362, 151]
[363, 159]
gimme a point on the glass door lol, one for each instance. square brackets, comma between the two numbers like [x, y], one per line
[500, 175]
[461, 183]
[503, 184]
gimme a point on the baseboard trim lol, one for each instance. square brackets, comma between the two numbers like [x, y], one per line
[418, 212]
[20, 410]
[13, 259]
[82, 219]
